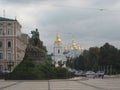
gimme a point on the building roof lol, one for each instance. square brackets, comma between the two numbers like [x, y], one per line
[6, 19]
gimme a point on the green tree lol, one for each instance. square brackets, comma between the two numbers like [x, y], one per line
[109, 56]
[93, 58]
[80, 63]
[25, 70]
[50, 72]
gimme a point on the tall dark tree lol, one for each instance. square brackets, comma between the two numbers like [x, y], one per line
[82, 62]
[79, 63]
[93, 58]
[109, 56]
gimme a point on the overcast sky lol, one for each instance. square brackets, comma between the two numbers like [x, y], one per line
[89, 22]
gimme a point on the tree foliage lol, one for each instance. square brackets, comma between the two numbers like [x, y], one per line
[27, 70]
[105, 57]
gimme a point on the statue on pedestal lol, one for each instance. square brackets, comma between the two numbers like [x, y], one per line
[35, 37]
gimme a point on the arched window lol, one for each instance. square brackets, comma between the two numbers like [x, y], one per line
[9, 44]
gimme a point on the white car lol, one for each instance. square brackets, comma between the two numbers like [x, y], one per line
[78, 73]
[90, 74]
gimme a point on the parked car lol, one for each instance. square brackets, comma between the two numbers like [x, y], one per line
[78, 73]
[90, 74]
[71, 70]
[100, 73]
[84, 74]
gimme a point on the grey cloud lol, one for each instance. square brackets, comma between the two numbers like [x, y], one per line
[85, 24]
[32, 1]
[20, 1]
[104, 3]
[89, 26]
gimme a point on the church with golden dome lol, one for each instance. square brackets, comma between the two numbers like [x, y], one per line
[73, 46]
[61, 53]
[58, 56]
[73, 50]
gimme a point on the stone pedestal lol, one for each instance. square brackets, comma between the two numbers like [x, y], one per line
[36, 54]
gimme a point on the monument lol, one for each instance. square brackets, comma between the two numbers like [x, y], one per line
[36, 51]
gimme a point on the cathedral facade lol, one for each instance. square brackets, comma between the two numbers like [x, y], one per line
[61, 53]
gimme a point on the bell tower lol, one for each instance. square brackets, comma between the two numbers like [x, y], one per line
[58, 45]
[58, 56]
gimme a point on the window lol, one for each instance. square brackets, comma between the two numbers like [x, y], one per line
[9, 24]
[9, 31]
[9, 44]
[9, 56]
[18, 57]
[9, 67]
[0, 43]
[1, 31]
[58, 51]
[1, 55]
[0, 67]
[1, 24]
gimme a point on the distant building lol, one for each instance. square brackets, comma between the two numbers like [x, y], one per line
[73, 50]
[58, 56]
[12, 44]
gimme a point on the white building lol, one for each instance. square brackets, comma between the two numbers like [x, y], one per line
[73, 50]
[61, 55]
[58, 56]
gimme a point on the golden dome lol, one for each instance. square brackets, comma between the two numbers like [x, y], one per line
[65, 48]
[73, 43]
[58, 39]
[79, 48]
[71, 48]
[82, 49]
[74, 46]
